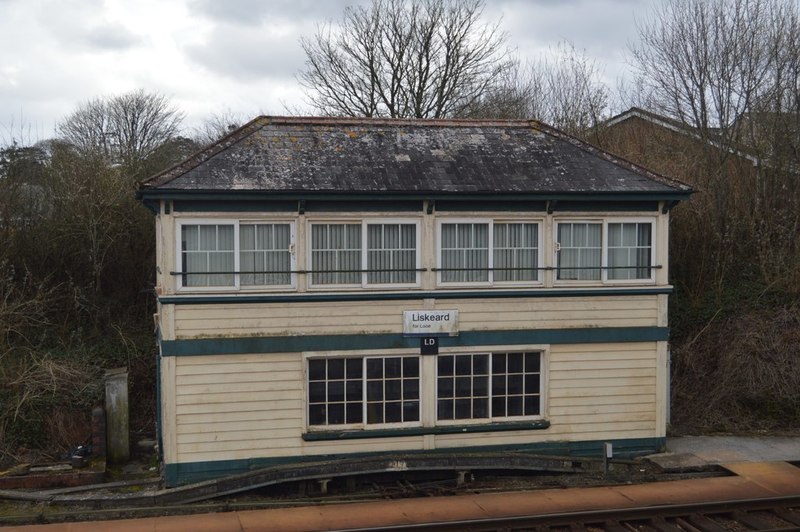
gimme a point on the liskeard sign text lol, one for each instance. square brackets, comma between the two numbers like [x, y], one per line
[430, 323]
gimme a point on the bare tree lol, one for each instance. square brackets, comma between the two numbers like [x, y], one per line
[126, 129]
[561, 87]
[217, 125]
[403, 58]
[574, 99]
[706, 62]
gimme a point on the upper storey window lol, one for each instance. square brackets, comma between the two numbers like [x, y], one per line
[605, 251]
[233, 254]
[488, 252]
[630, 250]
[580, 251]
[208, 255]
[365, 253]
[265, 254]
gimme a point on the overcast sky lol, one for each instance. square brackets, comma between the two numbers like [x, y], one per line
[237, 56]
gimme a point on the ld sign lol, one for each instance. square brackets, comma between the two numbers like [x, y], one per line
[430, 323]
[429, 345]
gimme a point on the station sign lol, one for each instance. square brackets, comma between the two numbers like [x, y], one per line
[430, 323]
[429, 345]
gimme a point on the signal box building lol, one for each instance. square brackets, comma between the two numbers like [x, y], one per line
[343, 287]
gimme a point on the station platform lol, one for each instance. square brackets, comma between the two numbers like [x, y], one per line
[748, 480]
[691, 453]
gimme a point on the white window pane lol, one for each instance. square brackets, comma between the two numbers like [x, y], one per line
[336, 253]
[209, 249]
[448, 236]
[594, 235]
[195, 265]
[208, 237]
[225, 238]
[221, 261]
[481, 235]
[391, 253]
[282, 236]
[190, 238]
[247, 237]
[515, 252]
[580, 255]
[247, 263]
[629, 257]
[408, 235]
[465, 252]
[391, 234]
[614, 235]
[264, 257]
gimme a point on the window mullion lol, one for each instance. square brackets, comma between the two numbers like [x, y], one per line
[604, 252]
[364, 386]
[236, 251]
[490, 252]
[489, 388]
[364, 253]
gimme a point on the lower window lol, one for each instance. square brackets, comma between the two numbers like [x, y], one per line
[488, 386]
[363, 391]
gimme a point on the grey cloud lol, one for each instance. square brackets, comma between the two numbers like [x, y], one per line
[248, 54]
[68, 24]
[599, 26]
[112, 37]
[254, 12]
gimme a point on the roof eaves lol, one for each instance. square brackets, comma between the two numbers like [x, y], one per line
[182, 194]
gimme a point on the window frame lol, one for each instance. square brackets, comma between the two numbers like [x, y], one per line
[492, 418]
[636, 220]
[604, 268]
[490, 282]
[236, 286]
[364, 253]
[364, 425]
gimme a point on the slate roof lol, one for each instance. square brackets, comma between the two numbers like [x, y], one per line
[346, 155]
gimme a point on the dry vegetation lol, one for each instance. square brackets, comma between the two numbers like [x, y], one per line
[740, 373]
[76, 255]
[727, 74]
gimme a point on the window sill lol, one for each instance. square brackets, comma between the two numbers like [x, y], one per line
[360, 434]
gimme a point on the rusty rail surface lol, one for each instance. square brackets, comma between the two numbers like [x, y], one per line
[776, 513]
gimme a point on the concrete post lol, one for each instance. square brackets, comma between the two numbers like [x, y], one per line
[118, 447]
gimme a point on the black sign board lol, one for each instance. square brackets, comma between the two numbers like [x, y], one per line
[429, 345]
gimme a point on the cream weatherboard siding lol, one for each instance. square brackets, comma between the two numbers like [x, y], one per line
[245, 406]
[375, 317]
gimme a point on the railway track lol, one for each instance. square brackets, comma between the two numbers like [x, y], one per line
[779, 513]
[747, 499]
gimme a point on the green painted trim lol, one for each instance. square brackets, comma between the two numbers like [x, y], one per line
[188, 472]
[328, 435]
[159, 392]
[223, 195]
[235, 206]
[541, 206]
[404, 296]
[365, 206]
[288, 205]
[341, 342]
